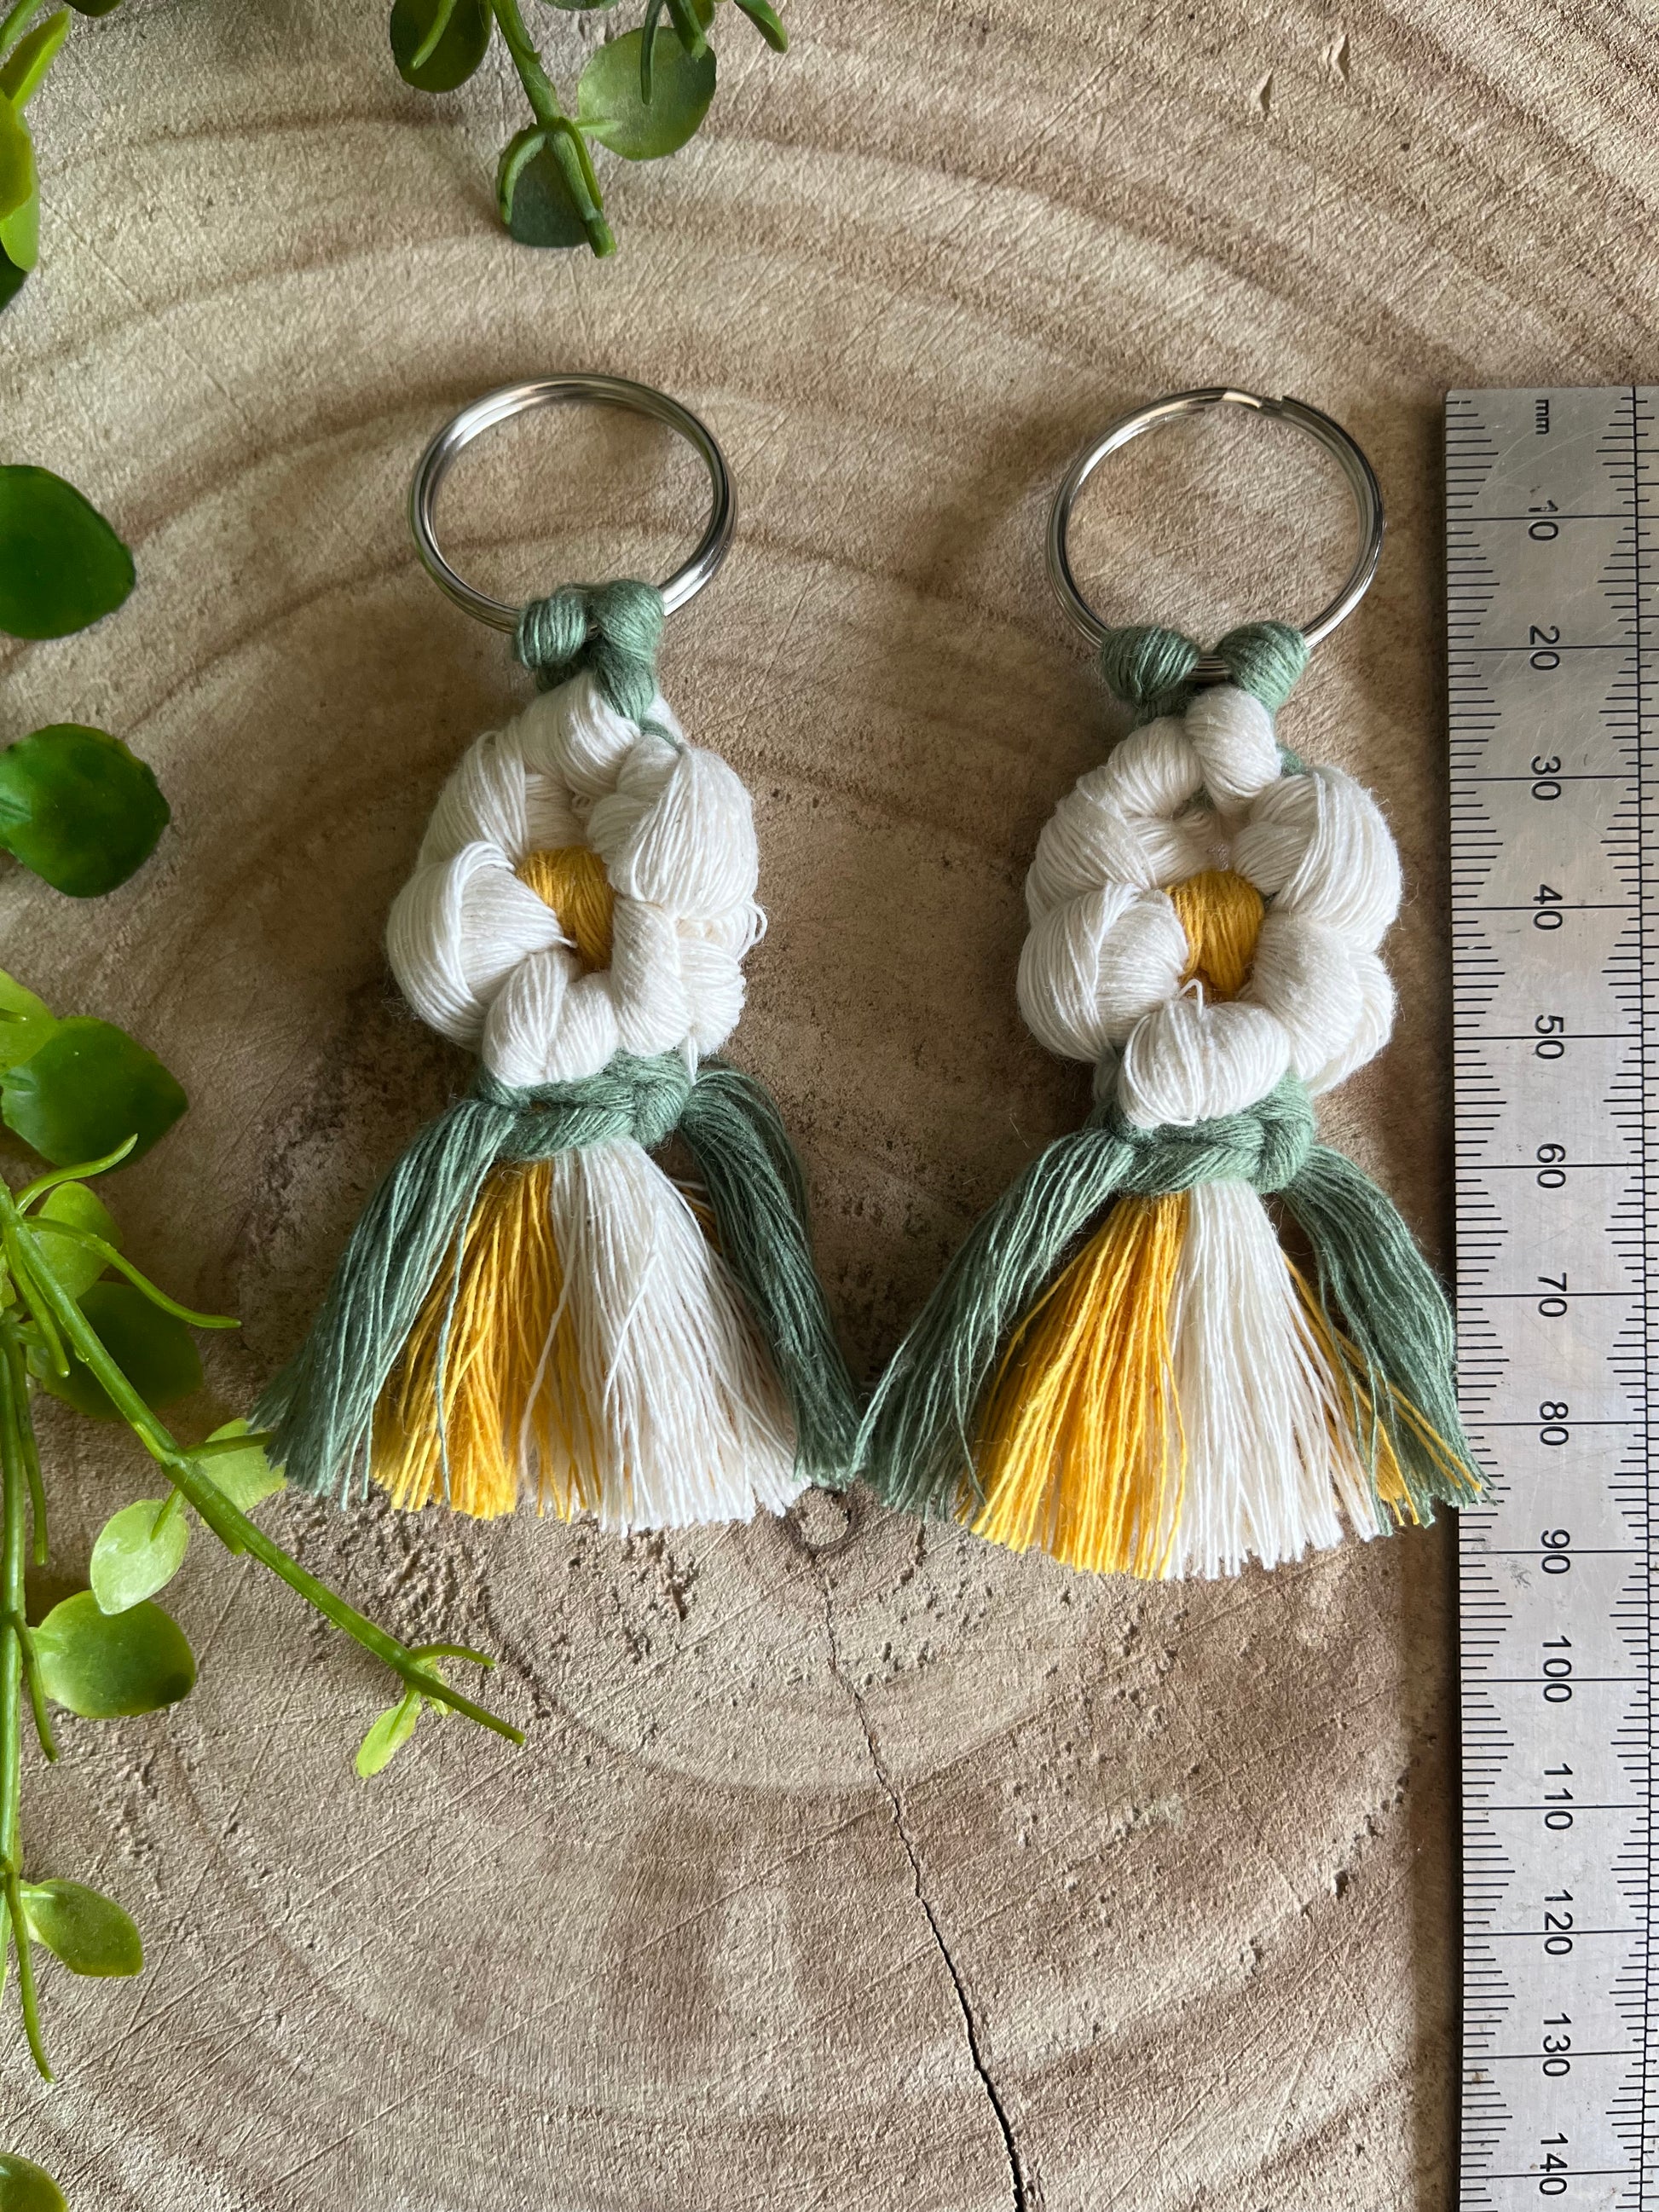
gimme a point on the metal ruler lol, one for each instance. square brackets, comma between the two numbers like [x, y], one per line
[1553, 592]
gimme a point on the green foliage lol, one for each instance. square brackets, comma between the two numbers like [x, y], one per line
[138, 1552]
[641, 96]
[25, 1022]
[438, 44]
[75, 1262]
[86, 1090]
[79, 808]
[388, 1735]
[61, 567]
[153, 1349]
[26, 2187]
[243, 1475]
[612, 106]
[107, 1666]
[89, 1931]
[25, 68]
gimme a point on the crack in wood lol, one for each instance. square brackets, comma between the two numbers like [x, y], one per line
[1026, 2195]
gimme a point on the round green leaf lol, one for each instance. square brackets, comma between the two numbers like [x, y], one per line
[104, 1665]
[609, 108]
[153, 1350]
[461, 45]
[94, 7]
[534, 195]
[244, 1477]
[25, 1022]
[132, 1559]
[78, 809]
[72, 1265]
[26, 64]
[88, 1089]
[89, 1931]
[61, 565]
[388, 1735]
[26, 2187]
[11, 283]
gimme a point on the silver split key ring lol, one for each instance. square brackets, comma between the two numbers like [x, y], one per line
[510, 400]
[1361, 479]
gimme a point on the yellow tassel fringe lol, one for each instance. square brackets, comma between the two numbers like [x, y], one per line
[1083, 1452]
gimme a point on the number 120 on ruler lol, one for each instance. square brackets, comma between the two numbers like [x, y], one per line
[1552, 602]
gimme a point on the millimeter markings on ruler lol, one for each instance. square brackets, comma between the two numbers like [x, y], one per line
[1552, 604]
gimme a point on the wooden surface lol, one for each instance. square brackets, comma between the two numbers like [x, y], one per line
[849, 1864]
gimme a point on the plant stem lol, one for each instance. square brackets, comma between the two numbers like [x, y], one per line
[41, 1289]
[14, 1548]
[565, 142]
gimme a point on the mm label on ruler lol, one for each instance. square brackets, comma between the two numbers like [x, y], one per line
[1552, 519]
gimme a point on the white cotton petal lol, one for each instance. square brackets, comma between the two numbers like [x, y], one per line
[1317, 844]
[1192, 1061]
[1371, 1029]
[713, 978]
[1092, 968]
[1307, 976]
[654, 1013]
[550, 1023]
[483, 803]
[574, 734]
[1231, 732]
[692, 850]
[456, 930]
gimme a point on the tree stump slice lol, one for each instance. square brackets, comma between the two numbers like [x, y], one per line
[849, 1863]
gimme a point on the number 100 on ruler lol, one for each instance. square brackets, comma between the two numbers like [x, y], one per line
[1553, 600]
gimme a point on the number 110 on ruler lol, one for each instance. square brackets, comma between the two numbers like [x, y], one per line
[1552, 519]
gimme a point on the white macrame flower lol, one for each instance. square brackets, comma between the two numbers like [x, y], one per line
[1101, 973]
[488, 963]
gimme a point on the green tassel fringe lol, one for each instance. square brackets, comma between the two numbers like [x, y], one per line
[758, 1194]
[1378, 1290]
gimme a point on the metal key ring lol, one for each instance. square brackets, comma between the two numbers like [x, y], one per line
[511, 399]
[1361, 482]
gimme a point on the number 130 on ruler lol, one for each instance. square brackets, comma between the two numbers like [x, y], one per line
[1552, 602]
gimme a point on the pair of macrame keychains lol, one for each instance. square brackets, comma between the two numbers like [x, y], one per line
[1126, 1365]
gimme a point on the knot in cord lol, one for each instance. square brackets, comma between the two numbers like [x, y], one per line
[1152, 669]
[641, 1099]
[1264, 1146]
[612, 629]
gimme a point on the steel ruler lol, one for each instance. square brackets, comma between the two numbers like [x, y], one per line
[1552, 604]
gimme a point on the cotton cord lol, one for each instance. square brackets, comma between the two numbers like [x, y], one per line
[1122, 1365]
[530, 1306]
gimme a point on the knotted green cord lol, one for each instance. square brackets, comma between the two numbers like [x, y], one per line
[1152, 669]
[322, 1406]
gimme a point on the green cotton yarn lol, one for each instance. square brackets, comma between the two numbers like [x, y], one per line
[1152, 669]
[612, 629]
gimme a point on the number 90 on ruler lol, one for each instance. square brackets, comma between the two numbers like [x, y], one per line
[1552, 623]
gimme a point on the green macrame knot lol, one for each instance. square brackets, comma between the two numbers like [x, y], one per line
[1266, 1145]
[612, 629]
[1152, 669]
[640, 1099]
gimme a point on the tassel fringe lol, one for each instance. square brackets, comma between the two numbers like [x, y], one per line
[1123, 1366]
[529, 1308]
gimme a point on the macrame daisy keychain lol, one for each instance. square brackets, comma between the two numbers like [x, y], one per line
[1190, 1335]
[532, 1307]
